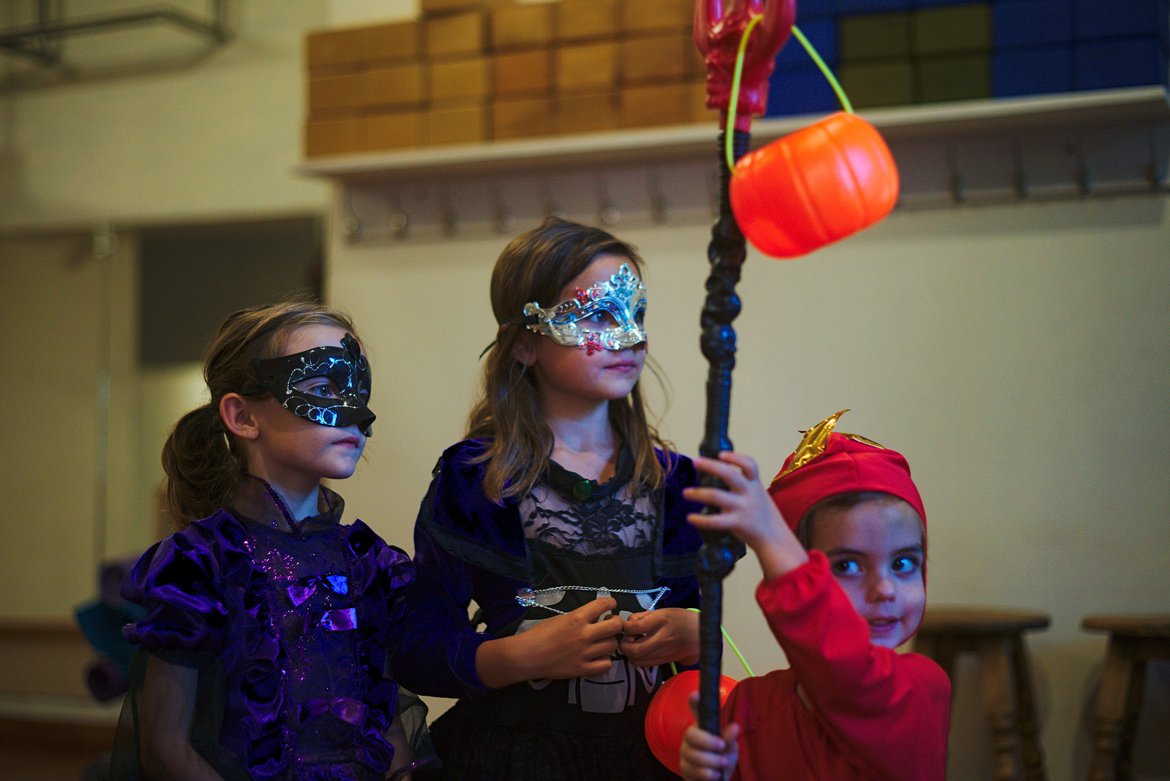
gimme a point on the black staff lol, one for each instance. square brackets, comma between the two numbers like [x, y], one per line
[719, 40]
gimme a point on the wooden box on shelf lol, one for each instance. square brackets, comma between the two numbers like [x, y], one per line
[341, 93]
[520, 118]
[527, 72]
[654, 59]
[645, 16]
[696, 102]
[433, 7]
[466, 77]
[460, 122]
[390, 130]
[334, 49]
[393, 42]
[580, 20]
[456, 35]
[327, 137]
[522, 26]
[656, 104]
[586, 113]
[397, 86]
[585, 67]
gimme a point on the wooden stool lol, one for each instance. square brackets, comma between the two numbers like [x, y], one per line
[997, 636]
[1133, 640]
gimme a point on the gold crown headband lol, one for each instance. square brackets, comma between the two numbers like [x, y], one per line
[814, 442]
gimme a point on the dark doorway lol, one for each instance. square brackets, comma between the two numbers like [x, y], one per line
[192, 276]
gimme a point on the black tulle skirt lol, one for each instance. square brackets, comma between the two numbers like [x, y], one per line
[472, 750]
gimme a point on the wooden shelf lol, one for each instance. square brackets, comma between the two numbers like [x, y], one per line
[1005, 116]
[1054, 147]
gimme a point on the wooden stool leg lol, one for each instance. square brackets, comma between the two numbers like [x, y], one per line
[1133, 706]
[927, 645]
[942, 651]
[1111, 715]
[1031, 756]
[999, 699]
[947, 652]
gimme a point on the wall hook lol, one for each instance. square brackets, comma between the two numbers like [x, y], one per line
[1153, 169]
[658, 203]
[1020, 182]
[956, 186]
[448, 217]
[104, 241]
[1081, 176]
[351, 224]
[607, 213]
[399, 220]
[504, 219]
[551, 208]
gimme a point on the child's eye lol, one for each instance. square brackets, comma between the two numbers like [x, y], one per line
[321, 387]
[602, 317]
[906, 565]
[846, 567]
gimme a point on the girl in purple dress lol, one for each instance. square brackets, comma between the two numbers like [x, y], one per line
[561, 517]
[267, 620]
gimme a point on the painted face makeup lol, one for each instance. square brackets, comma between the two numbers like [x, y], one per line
[329, 386]
[607, 316]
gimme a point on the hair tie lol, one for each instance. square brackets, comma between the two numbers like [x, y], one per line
[523, 320]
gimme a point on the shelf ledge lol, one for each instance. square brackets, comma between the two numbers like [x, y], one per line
[1000, 116]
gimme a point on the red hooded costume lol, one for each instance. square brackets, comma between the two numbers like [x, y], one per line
[868, 712]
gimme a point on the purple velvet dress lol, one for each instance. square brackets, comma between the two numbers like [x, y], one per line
[289, 633]
[470, 549]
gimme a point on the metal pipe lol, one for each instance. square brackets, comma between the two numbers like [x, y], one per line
[16, 41]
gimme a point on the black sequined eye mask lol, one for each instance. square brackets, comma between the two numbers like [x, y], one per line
[348, 373]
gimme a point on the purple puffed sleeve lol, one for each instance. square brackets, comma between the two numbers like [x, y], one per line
[182, 583]
[381, 573]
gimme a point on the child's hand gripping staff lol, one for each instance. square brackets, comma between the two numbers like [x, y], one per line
[577, 644]
[743, 508]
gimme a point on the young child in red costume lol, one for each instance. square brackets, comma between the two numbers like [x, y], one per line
[844, 563]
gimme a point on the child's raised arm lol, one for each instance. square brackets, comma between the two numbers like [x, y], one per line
[746, 510]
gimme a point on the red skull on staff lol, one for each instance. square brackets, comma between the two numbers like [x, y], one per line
[719, 26]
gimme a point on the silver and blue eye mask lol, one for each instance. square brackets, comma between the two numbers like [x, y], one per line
[340, 402]
[580, 321]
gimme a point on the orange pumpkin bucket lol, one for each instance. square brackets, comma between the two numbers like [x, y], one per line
[669, 715]
[812, 187]
[815, 186]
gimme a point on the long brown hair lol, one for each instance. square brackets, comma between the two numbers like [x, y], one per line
[204, 465]
[536, 266]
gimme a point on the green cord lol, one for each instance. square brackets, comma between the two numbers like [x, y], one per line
[739, 58]
[729, 130]
[731, 643]
[828, 74]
